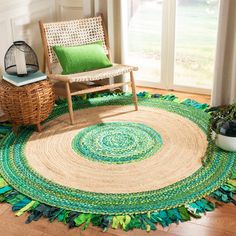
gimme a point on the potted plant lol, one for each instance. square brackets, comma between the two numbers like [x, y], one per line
[222, 127]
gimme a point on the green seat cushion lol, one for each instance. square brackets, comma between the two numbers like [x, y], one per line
[82, 58]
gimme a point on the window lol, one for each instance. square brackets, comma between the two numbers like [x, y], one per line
[173, 42]
[145, 18]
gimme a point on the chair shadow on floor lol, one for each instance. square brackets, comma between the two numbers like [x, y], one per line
[89, 116]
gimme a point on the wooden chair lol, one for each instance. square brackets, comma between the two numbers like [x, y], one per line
[74, 33]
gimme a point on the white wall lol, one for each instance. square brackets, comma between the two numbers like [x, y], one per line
[19, 21]
[68, 9]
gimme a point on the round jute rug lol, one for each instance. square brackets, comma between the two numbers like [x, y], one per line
[115, 160]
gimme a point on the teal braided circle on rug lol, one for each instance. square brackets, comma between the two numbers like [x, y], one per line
[17, 172]
[117, 142]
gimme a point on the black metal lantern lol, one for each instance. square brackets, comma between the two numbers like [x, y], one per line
[20, 59]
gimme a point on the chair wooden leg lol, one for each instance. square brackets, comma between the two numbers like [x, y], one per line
[69, 101]
[134, 90]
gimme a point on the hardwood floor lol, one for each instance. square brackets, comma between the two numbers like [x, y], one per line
[221, 222]
[198, 97]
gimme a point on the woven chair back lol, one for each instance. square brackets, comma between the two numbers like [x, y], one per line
[73, 33]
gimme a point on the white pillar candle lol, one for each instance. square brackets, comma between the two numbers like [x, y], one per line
[20, 62]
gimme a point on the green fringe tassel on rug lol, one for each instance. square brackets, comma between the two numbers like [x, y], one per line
[22, 204]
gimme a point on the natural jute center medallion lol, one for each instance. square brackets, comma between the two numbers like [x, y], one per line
[117, 142]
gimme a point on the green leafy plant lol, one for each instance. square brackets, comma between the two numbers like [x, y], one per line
[220, 115]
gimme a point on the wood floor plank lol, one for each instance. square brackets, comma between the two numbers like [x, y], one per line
[223, 218]
[181, 95]
[138, 232]
[9, 229]
[4, 207]
[191, 229]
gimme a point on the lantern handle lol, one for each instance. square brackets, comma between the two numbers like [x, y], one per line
[17, 44]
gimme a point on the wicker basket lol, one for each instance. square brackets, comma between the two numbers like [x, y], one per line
[27, 105]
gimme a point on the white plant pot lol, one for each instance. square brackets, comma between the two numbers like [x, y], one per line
[224, 142]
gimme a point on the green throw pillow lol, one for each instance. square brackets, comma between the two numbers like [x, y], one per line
[82, 58]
